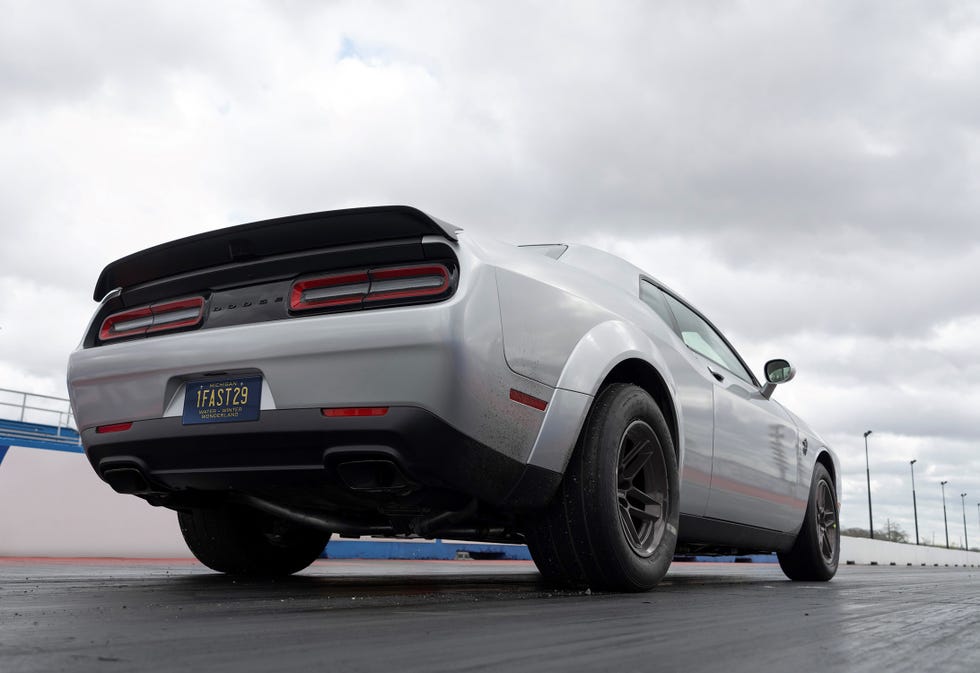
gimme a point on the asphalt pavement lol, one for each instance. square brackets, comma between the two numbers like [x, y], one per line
[433, 616]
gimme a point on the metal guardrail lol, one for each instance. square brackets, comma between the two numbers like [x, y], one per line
[17, 405]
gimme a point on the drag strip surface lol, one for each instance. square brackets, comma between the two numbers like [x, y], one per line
[432, 616]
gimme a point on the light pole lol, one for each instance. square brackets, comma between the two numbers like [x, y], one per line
[915, 509]
[942, 485]
[966, 545]
[871, 523]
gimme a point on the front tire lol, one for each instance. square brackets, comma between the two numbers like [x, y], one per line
[816, 552]
[238, 541]
[613, 523]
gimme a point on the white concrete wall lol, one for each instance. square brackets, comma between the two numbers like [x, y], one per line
[53, 504]
[864, 551]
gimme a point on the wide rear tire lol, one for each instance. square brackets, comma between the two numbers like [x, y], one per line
[239, 541]
[816, 552]
[613, 523]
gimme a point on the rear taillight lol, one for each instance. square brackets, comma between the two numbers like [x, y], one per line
[356, 288]
[158, 317]
[174, 314]
[127, 323]
[341, 289]
[407, 282]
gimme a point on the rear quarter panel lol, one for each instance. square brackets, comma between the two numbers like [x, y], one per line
[569, 329]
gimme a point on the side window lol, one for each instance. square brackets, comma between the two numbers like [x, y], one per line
[701, 338]
[651, 295]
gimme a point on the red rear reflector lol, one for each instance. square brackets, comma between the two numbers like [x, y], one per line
[347, 412]
[529, 400]
[114, 427]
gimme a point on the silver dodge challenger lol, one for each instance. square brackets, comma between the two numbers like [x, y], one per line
[377, 371]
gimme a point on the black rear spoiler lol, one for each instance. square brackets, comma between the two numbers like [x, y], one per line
[280, 236]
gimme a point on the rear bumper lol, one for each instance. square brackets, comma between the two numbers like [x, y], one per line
[302, 448]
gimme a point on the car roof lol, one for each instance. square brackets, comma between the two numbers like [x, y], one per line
[611, 268]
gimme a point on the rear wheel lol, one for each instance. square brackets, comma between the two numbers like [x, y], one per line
[613, 523]
[239, 541]
[815, 553]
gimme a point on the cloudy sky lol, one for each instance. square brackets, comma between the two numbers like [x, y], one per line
[805, 173]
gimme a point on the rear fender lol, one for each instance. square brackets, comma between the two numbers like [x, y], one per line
[593, 358]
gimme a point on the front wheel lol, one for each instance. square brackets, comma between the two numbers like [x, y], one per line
[239, 541]
[613, 523]
[815, 553]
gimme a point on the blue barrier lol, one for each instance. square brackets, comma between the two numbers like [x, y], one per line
[39, 436]
[745, 558]
[431, 551]
[439, 550]
[62, 433]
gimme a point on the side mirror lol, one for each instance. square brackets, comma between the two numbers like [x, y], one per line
[777, 371]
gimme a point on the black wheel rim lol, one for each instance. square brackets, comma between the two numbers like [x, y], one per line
[827, 532]
[642, 490]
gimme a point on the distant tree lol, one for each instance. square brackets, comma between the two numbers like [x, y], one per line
[854, 532]
[892, 532]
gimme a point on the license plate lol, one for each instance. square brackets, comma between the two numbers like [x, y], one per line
[222, 400]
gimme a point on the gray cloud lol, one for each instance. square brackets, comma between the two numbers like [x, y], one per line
[811, 289]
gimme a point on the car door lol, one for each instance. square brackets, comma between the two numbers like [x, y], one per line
[754, 458]
[695, 396]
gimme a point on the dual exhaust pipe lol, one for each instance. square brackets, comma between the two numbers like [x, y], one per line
[367, 476]
[372, 476]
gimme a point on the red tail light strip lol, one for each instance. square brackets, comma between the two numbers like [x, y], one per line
[127, 323]
[154, 318]
[415, 281]
[350, 412]
[373, 285]
[336, 290]
[174, 314]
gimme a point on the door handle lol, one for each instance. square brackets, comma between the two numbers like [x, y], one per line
[718, 375]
